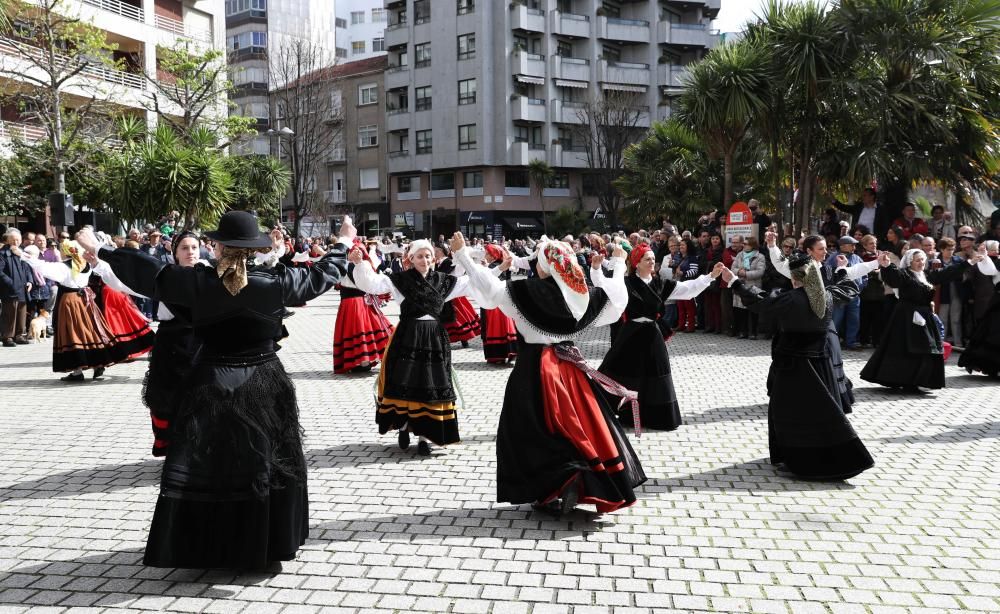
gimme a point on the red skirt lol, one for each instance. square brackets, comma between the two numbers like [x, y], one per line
[129, 328]
[359, 336]
[571, 410]
[466, 324]
[499, 336]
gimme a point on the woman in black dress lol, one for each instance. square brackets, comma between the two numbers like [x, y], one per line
[233, 489]
[638, 358]
[558, 442]
[415, 391]
[910, 354]
[982, 353]
[808, 431]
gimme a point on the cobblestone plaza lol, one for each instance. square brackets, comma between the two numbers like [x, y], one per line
[715, 529]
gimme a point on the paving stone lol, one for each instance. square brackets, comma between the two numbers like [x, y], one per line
[715, 527]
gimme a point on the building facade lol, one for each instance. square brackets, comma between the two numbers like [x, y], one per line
[257, 31]
[138, 28]
[350, 177]
[360, 29]
[476, 90]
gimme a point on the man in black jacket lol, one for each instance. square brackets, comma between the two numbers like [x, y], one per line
[868, 213]
[15, 284]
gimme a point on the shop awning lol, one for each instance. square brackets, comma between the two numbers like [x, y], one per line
[523, 224]
[620, 87]
[530, 79]
[567, 83]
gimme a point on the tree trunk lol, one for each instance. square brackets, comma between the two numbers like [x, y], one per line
[776, 185]
[727, 190]
[805, 185]
[545, 218]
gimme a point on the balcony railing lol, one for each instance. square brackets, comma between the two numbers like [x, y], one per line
[177, 27]
[337, 155]
[97, 71]
[22, 132]
[335, 196]
[616, 21]
[399, 153]
[119, 8]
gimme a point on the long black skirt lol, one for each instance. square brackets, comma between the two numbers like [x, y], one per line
[808, 430]
[638, 360]
[908, 356]
[845, 387]
[169, 365]
[233, 491]
[533, 463]
[414, 387]
[982, 353]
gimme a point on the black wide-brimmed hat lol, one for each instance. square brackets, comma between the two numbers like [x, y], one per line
[239, 229]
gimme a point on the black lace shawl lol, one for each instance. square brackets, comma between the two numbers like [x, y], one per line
[425, 295]
[541, 303]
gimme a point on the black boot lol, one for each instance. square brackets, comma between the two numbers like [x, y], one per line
[404, 439]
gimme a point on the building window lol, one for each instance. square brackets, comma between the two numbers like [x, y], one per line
[421, 11]
[516, 179]
[590, 185]
[466, 6]
[341, 52]
[424, 142]
[357, 17]
[467, 46]
[357, 47]
[368, 136]
[521, 134]
[558, 181]
[255, 41]
[467, 91]
[422, 54]
[404, 184]
[369, 178]
[467, 137]
[341, 23]
[379, 15]
[443, 181]
[472, 179]
[256, 8]
[423, 97]
[367, 93]
[378, 44]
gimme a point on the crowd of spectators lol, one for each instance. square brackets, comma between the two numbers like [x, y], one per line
[680, 254]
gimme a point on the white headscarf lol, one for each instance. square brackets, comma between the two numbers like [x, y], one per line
[558, 260]
[418, 245]
[904, 263]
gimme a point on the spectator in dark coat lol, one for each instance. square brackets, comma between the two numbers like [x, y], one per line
[868, 213]
[15, 286]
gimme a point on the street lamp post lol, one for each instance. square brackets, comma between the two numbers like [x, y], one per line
[285, 131]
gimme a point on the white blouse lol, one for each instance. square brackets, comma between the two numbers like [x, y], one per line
[367, 280]
[856, 271]
[59, 273]
[986, 267]
[491, 293]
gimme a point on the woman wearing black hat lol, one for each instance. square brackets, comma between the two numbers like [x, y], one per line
[808, 431]
[233, 489]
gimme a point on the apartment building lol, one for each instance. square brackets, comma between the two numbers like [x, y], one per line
[360, 29]
[476, 90]
[137, 27]
[351, 177]
[256, 32]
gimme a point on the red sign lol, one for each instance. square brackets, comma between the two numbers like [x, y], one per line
[739, 213]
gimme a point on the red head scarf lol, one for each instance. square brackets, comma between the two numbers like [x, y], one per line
[637, 254]
[494, 251]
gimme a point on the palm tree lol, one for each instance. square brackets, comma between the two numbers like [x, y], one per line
[540, 173]
[804, 46]
[722, 98]
[259, 184]
[668, 173]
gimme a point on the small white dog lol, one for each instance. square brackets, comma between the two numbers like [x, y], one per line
[38, 326]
